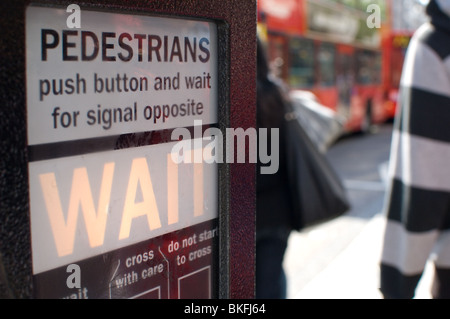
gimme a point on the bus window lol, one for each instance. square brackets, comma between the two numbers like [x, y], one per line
[397, 60]
[327, 67]
[378, 67]
[302, 63]
[276, 48]
[368, 67]
[345, 77]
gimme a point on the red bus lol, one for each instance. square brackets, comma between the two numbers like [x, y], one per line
[394, 49]
[326, 47]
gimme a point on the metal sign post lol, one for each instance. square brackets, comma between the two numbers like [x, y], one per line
[115, 183]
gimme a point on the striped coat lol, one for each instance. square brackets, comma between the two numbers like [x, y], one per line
[418, 200]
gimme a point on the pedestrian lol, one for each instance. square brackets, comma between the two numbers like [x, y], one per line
[273, 206]
[418, 198]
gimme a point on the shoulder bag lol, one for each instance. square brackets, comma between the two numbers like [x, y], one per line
[317, 192]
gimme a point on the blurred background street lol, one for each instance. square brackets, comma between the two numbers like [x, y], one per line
[340, 259]
[348, 55]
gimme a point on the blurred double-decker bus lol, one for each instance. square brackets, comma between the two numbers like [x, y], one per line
[394, 46]
[327, 47]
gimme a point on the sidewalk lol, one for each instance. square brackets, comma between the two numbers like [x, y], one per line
[354, 273]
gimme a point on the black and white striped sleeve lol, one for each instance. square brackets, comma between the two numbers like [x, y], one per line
[418, 199]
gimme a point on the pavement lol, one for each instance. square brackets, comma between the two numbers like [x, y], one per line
[353, 273]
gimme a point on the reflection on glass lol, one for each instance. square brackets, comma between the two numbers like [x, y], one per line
[302, 63]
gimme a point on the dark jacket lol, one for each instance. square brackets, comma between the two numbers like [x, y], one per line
[273, 203]
[418, 201]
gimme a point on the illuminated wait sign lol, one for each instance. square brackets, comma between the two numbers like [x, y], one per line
[85, 205]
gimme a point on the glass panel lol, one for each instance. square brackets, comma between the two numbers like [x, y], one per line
[368, 67]
[327, 67]
[277, 56]
[302, 63]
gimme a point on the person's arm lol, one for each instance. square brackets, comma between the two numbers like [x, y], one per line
[418, 197]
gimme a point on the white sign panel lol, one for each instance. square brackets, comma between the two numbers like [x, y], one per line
[117, 74]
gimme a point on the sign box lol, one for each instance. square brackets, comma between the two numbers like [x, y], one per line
[108, 219]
